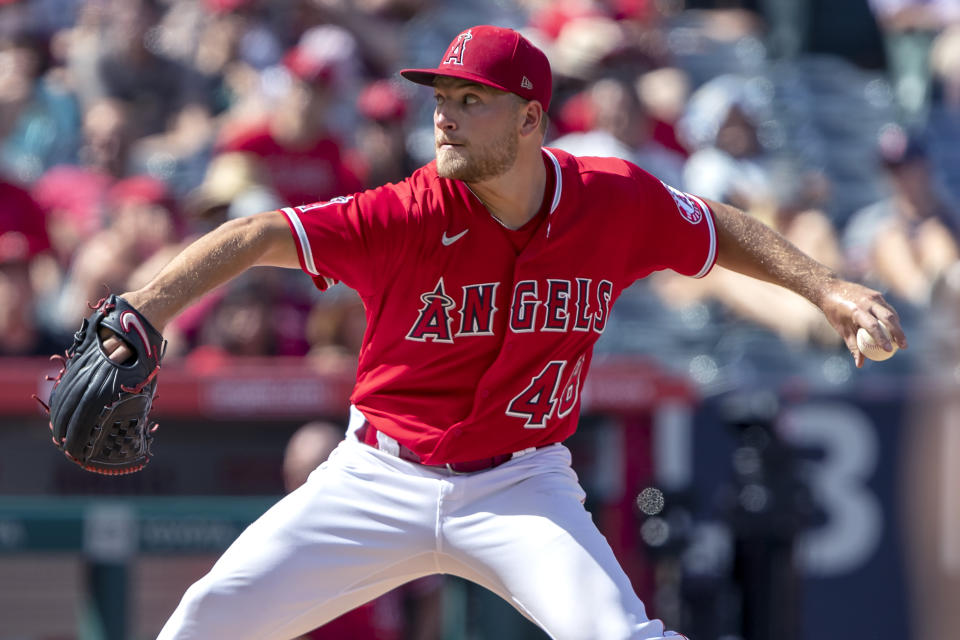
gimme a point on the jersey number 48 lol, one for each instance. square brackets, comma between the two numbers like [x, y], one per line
[537, 402]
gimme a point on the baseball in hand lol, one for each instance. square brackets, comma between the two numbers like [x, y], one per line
[869, 347]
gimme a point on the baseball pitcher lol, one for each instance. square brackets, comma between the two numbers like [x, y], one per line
[487, 277]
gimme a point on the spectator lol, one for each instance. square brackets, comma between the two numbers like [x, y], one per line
[38, 115]
[945, 68]
[107, 137]
[381, 134]
[905, 242]
[74, 195]
[621, 128]
[413, 611]
[664, 93]
[115, 52]
[235, 185]
[23, 238]
[141, 220]
[224, 43]
[240, 324]
[211, 37]
[376, 25]
[585, 44]
[731, 165]
[943, 125]
[229, 45]
[303, 159]
[335, 330]
[909, 29]
[796, 215]
[261, 314]
[307, 449]
[728, 163]
[179, 154]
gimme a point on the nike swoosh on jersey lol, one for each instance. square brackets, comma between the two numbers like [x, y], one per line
[449, 240]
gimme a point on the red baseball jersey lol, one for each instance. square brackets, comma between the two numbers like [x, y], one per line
[477, 344]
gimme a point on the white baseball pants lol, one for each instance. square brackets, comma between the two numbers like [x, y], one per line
[366, 522]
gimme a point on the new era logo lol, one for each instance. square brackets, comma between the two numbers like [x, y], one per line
[526, 84]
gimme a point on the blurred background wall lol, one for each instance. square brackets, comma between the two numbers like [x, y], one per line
[753, 483]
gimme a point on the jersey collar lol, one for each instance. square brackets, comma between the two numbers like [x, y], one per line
[557, 185]
[557, 188]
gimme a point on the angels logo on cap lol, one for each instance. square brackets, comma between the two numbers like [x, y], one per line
[496, 57]
[457, 47]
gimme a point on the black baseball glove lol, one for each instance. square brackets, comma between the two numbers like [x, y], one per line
[99, 409]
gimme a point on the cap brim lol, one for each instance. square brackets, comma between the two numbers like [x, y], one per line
[426, 77]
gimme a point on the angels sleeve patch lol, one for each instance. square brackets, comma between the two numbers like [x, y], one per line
[688, 207]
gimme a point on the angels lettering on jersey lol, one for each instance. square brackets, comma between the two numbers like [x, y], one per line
[556, 304]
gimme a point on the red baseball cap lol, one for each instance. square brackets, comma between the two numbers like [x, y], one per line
[382, 101]
[308, 67]
[139, 190]
[493, 56]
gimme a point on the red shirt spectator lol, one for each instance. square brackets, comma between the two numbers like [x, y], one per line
[302, 159]
[75, 201]
[299, 174]
[23, 237]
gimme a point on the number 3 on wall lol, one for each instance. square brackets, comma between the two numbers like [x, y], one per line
[839, 482]
[538, 400]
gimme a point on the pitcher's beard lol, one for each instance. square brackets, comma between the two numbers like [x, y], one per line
[481, 162]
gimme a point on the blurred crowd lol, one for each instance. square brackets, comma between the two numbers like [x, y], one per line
[129, 127]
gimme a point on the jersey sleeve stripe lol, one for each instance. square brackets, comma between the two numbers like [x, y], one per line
[302, 241]
[712, 252]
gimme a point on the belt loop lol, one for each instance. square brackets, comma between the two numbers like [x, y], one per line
[387, 444]
[357, 422]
